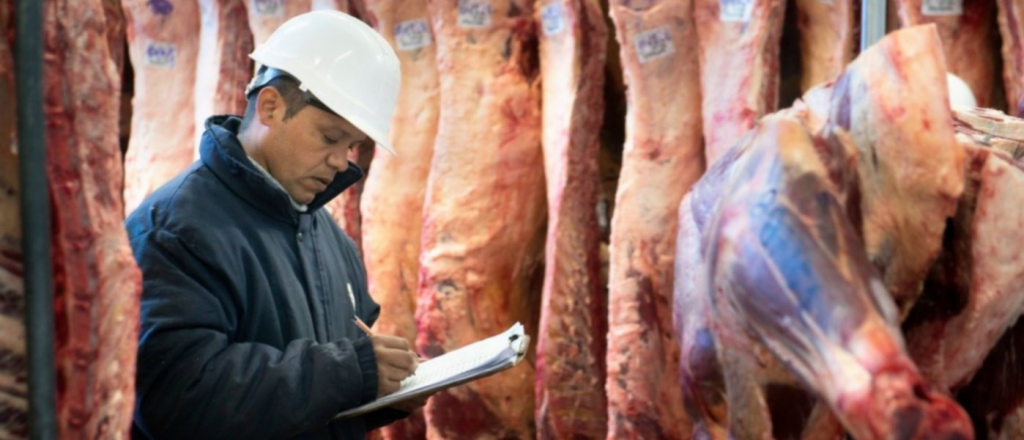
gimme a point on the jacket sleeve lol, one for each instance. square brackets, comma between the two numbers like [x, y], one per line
[384, 417]
[193, 382]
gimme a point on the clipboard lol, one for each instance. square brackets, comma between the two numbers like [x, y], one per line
[468, 363]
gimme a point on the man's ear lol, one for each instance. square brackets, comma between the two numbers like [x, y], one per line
[269, 106]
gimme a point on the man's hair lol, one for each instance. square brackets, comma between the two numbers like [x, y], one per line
[288, 87]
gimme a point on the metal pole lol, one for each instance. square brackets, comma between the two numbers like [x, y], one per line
[35, 221]
[872, 22]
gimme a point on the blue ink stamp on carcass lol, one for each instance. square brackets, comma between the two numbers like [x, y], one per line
[475, 14]
[653, 44]
[160, 55]
[161, 7]
[268, 8]
[938, 8]
[552, 18]
[412, 35]
[735, 11]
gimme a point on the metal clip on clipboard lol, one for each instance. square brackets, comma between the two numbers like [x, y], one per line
[468, 363]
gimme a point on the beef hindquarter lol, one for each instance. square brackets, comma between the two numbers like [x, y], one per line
[1011, 28]
[739, 64]
[484, 211]
[223, 61]
[392, 202]
[570, 394]
[97, 284]
[827, 30]
[966, 28]
[662, 158]
[163, 39]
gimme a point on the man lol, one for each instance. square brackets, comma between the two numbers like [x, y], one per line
[250, 290]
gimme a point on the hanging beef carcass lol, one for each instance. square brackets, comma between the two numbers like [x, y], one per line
[96, 282]
[392, 203]
[992, 129]
[661, 159]
[974, 291]
[225, 43]
[13, 367]
[827, 31]
[163, 39]
[739, 65]
[484, 212]
[995, 399]
[116, 36]
[570, 396]
[966, 29]
[786, 263]
[889, 98]
[265, 16]
[718, 350]
[1011, 28]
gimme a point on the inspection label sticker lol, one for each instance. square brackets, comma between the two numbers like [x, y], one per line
[475, 14]
[655, 43]
[160, 54]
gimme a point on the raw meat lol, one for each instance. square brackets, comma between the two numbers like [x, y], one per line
[392, 203]
[992, 128]
[266, 15]
[115, 32]
[484, 212]
[827, 39]
[163, 39]
[224, 66]
[966, 29]
[786, 263]
[662, 158]
[570, 395]
[995, 399]
[763, 396]
[700, 375]
[96, 282]
[1011, 28]
[974, 289]
[13, 368]
[890, 97]
[739, 65]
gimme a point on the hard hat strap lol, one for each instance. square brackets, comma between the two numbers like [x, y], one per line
[265, 74]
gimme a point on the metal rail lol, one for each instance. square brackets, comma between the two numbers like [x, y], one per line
[35, 221]
[872, 22]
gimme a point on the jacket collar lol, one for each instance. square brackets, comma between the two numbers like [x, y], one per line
[221, 151]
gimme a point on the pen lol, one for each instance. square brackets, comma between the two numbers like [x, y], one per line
[362, 325]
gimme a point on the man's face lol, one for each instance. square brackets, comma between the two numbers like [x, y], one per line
[306, 151]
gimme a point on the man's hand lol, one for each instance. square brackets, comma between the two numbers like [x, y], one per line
[395, 362]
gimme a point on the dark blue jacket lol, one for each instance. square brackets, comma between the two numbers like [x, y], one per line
[247, 318]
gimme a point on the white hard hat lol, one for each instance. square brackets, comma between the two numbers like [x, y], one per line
[344, 63]
[960, 94]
